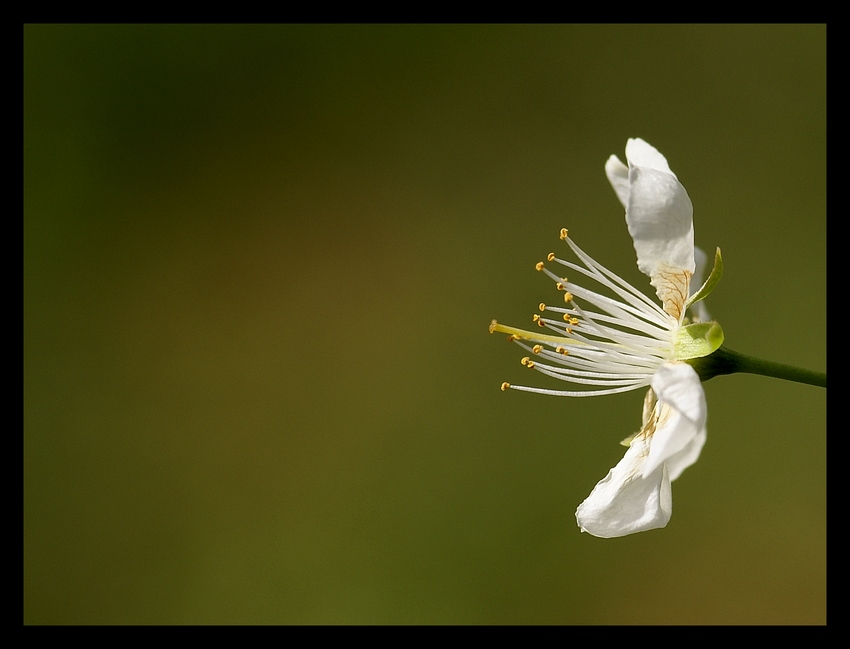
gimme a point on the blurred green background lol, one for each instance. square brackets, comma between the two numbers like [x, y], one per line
[259, 266]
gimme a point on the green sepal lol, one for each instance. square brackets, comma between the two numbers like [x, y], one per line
[697, 340]
[710, 283]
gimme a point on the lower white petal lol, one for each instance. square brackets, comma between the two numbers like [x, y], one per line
[687, 456]
[679, 415]
[625, 502]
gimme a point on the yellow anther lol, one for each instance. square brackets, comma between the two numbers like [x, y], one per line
[561, 350]
[535, 318]
[511, 338]
[505, 386]
[536, 349]
[493, 326]
[527, 362]
[567, 318]
[573, 321]
[539, 265]
[542, 306]
[551, 256]
[568, 297]
[560, 286]
[564, 233]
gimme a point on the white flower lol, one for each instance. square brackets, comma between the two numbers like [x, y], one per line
[621, 340]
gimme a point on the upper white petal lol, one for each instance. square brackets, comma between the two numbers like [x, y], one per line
[627, 501]
[641, 153]
[699, 312]
[660, 219]
[659, 215]
[618, 176]
[700, 266]
[681, 417]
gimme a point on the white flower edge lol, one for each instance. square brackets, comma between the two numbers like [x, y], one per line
[659, 216]
[636, 496]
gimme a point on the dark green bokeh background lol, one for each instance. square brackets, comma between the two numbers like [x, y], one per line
[259, 266]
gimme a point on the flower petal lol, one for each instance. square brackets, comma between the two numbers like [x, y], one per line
[679, 417]
[618, 176]
[687, 456]
[659, 215]
[699, 312]
[700, 266]
[641, 153]
[626, 501]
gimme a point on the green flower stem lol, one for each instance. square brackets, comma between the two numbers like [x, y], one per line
[725, 361]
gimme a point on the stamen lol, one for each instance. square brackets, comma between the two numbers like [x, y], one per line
[617, 343]
[522, 334]
[574, 393]
[602, 275]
